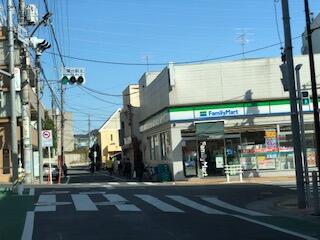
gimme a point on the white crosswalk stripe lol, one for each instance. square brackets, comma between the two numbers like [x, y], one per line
[46, 203]
[222, 204]
[113, 183]
[121, 203]
[82, 202]
[165, 207]
[202, 208]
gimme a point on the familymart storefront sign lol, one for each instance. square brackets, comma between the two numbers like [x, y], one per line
[232, 110]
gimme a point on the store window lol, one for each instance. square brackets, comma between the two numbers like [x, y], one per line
[164, 145]
[154, 147]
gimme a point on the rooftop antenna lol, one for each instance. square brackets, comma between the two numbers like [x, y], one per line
[146, 57]
[242, 38]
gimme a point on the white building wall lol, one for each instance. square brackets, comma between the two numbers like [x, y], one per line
[315, 38]
[243, 80]
[154, 93]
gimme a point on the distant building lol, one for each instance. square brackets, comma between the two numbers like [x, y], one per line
[68, 133]
[82, 140]
[315, 37]
[129, 118]
[108, 137]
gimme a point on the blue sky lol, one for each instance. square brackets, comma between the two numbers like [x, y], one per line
[163, 30]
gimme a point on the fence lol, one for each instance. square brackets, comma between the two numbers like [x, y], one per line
[232, 170]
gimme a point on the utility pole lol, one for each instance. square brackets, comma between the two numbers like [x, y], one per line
[89, 129]
[39, 121]
[293, 105]
[13, 118]
[62, 130]
[53, 113]
[313, 84]
[25, 111]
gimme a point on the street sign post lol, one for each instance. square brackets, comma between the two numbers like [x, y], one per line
[47, 141]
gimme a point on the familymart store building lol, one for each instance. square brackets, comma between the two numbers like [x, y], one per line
[256, 135]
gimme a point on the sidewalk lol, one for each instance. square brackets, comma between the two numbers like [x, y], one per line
[223, 180]
[286, 214]
[13, 210]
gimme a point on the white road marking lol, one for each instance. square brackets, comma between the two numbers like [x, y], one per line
[31, 191]
[121, 203]
[132, 183]
[46, 203]
[113, 183]
[28, 226]
[165, 207]
[87, 193]
[94, 184]
[68, 180]
[55, 192]
[149, 183]
[195, 205]
[275, 227]
[222, 204]
[108, 187]
[83, 202]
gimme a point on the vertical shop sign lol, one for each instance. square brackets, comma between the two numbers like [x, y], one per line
[203, 158]
[271, 138]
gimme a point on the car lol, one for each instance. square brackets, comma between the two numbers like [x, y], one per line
[54, 171]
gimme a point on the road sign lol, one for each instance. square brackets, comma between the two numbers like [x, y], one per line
[23, 35]
[47, 140]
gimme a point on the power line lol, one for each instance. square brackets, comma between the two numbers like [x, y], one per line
[162, 64]
[108, 94]
[102, 100]
[277, 23]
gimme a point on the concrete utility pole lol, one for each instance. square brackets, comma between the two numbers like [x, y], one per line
[293, 104]
[13, 117]
[39, 120]
[25, 111]
[62, 130]
[313, 84]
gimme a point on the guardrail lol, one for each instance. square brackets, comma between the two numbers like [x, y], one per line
[233, 170]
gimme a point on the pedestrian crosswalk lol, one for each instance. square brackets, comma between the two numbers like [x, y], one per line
[111, 185]
[98, 201]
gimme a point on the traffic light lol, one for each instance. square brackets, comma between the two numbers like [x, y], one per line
[73, 76]
[305, 97]
[39, 44]
[284, 79]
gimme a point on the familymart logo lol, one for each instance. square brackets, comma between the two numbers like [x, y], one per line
[220, 113]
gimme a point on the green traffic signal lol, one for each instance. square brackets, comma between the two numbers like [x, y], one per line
[305, 101]
[64, 80]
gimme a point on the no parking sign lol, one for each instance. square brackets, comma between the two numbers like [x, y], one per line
[46, 136]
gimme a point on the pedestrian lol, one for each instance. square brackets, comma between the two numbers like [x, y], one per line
[139, 166]
[127, 168]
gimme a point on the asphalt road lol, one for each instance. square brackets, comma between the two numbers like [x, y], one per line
[102, 208]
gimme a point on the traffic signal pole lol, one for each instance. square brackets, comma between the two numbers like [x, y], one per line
[293, 105]
[39, 120]
[13, 112]
[62, 131]
[313, 84]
